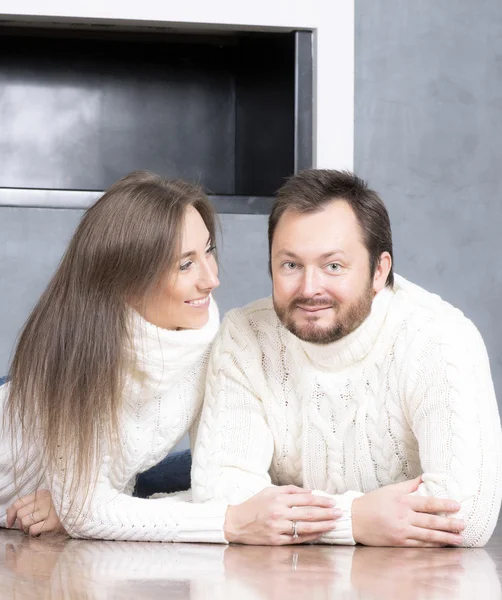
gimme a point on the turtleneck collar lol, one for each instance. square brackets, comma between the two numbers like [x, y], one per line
[162, 356]
[354, 346]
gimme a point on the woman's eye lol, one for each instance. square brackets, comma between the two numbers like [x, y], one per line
[211, 250]
[186, 265]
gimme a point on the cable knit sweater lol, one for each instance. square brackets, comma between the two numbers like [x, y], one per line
[409, 392]
[159, 407]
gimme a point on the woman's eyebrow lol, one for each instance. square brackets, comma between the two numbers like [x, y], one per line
[193, 252]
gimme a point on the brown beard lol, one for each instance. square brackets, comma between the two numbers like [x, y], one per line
[342, 325]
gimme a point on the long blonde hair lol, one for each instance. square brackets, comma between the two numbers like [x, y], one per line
[67, 373]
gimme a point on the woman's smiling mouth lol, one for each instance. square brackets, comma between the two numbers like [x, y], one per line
[200, 302]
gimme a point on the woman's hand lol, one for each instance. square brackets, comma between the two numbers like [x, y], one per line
[35, 514]
[390, 516]
[268, 517]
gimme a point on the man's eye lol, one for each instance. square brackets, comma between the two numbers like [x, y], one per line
[289, 265]
[334, 267]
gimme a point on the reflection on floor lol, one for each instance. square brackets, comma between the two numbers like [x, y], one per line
[54, 569]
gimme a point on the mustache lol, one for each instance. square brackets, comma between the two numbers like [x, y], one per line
[313, 302]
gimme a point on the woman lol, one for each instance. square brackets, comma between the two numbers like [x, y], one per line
[108, 375]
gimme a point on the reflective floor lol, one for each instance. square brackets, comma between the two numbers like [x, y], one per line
[53, 569]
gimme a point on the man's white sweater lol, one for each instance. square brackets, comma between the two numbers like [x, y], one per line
[409, 392]
[161, 401]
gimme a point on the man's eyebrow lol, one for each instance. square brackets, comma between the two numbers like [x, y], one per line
[289, 254]
[286, 253]
[332, 253]
[193, 252]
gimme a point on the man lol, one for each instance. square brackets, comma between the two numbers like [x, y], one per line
[351, 381]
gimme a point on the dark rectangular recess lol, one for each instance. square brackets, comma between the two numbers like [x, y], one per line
[79, 110]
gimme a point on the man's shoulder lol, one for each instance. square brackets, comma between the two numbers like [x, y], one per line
[254, 325]
[254, 315]
[433, 340]
[428, 313]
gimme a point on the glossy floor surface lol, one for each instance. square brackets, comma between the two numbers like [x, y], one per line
[94, 570]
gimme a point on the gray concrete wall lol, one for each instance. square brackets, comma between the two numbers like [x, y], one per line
[428, 131]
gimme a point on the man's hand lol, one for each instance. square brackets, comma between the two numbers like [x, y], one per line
[389, 516]
[35, 514]
[267, 518]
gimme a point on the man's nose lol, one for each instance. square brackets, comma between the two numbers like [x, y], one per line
[311, 283]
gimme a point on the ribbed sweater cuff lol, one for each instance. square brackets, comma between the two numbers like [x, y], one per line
[206, 527]
[342, 534]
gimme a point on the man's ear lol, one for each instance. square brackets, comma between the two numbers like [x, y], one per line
[381, 272]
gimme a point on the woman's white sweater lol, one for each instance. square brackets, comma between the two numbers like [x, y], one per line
[163, 395]
[407, 393]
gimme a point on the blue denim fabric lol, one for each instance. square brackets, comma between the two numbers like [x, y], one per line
[3, 380]
[170, 475]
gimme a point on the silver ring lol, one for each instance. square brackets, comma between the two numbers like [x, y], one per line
[295, 531]
[32, 517]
